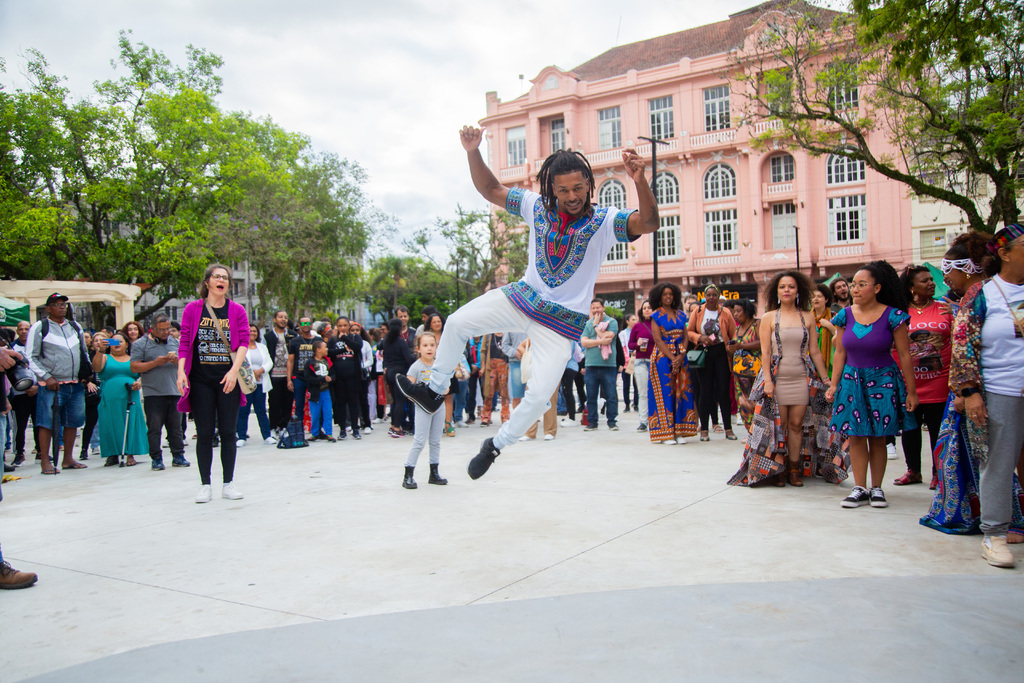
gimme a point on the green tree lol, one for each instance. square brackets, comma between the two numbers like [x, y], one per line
[943, 82]
[483, 250]
[391, 281]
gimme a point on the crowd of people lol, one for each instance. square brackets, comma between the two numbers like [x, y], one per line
[823, 381]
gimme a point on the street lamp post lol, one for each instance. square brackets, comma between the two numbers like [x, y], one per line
[796, 231]
[654, 188]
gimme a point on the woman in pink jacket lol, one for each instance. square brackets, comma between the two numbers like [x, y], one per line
[208, 374]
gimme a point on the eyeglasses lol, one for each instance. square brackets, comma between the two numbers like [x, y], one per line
[305, 324]
[223, 278]
[60, 304]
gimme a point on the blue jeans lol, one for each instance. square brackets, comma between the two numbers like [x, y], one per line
[257, 401]
[70, 398]
[300, 397]
[605, 378]
[459, 403]
[321, 414]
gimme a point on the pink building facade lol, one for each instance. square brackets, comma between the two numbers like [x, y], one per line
[730, 214]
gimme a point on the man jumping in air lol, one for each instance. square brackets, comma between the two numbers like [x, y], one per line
[569, 240]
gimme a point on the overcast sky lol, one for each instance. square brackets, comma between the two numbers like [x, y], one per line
[387, 83]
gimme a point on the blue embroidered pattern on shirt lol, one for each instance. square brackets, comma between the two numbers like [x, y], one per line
[514, 201]
[559, 255]
[553, 316]
[621, 219]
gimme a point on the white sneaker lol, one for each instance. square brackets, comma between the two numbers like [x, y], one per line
[240, 443]
[566, 422]
[460, 424]
[549, 437]
[681, 441]
[890, 451]
[668, 442]
[996, 552]
[205, 494]
[230, 492]
[377, 420]
[270, 441]
[524, 438]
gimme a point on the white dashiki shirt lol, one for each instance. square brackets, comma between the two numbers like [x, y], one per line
[565, 258]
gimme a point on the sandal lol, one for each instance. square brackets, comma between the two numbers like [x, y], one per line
[718, 429]
[75, 466]
[911, 477]
[112, 461]
[704, 436]
[130, 461]
[730, 436]
[935, 483]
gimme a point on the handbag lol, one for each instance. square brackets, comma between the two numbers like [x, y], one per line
[246, 377]
[696, 357]
[293, 436]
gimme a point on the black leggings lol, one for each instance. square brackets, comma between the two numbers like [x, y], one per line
[92, 416]
[568, 377]
[212, 407]
[24, 407]
[397, 397]
[346, 401]
[714, 386]
[931, 415]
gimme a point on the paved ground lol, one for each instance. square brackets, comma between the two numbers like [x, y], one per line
[596, 556]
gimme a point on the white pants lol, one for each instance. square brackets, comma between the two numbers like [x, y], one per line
[493, 312]
[642, 374]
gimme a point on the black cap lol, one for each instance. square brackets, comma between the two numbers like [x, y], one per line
[55, 297]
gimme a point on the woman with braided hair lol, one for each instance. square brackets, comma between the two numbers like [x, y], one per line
[873, 397]
[568, 240]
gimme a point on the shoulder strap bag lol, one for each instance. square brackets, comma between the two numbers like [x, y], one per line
[246, 377]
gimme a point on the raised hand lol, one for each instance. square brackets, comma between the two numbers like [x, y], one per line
[470, 137]
[635, 165]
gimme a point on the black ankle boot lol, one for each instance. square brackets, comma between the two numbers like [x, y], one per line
[409, 482]
[435, 477]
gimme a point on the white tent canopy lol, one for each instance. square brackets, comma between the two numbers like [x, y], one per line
[35, 292]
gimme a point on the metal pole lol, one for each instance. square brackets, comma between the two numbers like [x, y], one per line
[654, 188]
[797, 231]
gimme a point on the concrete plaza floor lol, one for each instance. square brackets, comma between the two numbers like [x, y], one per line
[596, 556]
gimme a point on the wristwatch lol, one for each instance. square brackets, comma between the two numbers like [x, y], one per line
[968, 391]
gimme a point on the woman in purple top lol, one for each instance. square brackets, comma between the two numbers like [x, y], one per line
[641, 345]
[208, 376]
[873, 397]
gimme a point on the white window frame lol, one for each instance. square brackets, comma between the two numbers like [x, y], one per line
[782, 168]
[515, 146]
[937, 249]
[557, 134]
[612, 193]
[619, 253]
[661, 118]
[609, 128]
[846, 98]
[721, 232]
[666, 189]
[719, 182]
[667, 242]
[847, 219]
[717, 108]
[843, 171]
[783, 224]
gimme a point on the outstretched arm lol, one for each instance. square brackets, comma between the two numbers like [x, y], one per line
[484, 181]
[644, 221]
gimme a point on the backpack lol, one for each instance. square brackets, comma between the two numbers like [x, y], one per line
[294, 436]
[85, 364]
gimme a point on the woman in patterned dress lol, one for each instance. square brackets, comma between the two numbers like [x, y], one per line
[745, 350]
[874, 397]
[672, 413]
[790, 430]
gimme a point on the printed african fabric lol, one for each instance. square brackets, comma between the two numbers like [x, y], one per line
[565, 257]
[956, 508]
[745, 366]
[822, 453]
[672, 412]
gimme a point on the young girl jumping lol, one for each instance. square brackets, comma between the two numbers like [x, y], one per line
[428, 426]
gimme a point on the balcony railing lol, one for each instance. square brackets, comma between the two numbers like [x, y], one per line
[842, 250]
[712, 261]
[615, 267]
[512, 172]
[764, 126]
[778, 188]
[717, 138]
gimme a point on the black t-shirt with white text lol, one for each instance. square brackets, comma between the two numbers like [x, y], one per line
[211, 360]
[302, 349]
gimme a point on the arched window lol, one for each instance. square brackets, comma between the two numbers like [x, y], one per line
[719, 182]
[840, 170]
[667, 188]
[782, 167]
[612, 193]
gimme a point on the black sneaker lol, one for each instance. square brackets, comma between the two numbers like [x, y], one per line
[180, 461]
[483, 460]
[158, 464]
[641, 427]
[342, 436]
[356, 436]
[878, 498]
[858, 496]
[420, 394]
[590, 428]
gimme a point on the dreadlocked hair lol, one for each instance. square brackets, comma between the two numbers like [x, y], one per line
[562, 162]
[892, 292]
